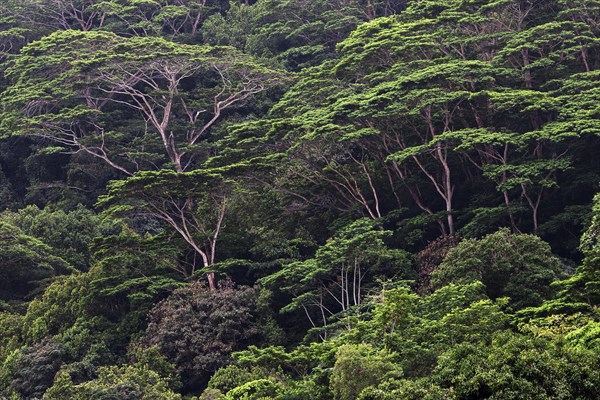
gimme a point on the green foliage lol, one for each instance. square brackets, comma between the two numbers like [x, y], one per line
[333, 279]
[76, 89]
[578, 294]
[11, 328]
[233, 382]
[69, 233]
[114, 382]
[406, 389]
[197, 329]
[586, 337]
[405, 123]
[232, 376]
[382, 354]
[35, 367]
[411, 97]
[25, 263]
[59, 307]
[514, 366]
[419, 329]
[256, 390]
[591, 248]
[191, 205]
[7, 198]
[151, 359]
[518, 266]
[358, 367]
[296, 33]
[308, 367]
[94, 315]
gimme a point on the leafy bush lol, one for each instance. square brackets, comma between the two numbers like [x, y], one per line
[25, 262]
[519, 367]
[70, 233]
[197, 329]
[114, 383]
[35, 367]
[518, 266]
[358, 367]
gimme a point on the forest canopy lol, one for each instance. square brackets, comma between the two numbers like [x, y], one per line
[265, 199]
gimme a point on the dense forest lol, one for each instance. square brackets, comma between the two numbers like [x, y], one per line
[299, 199]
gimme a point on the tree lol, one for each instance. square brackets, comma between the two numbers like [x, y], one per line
[419, 108]
[107, 305]
[193, 204]
[514, 265]
[115, 382]
[197, 329]
[358, 367]
[583, 287]
[82, 15]
[171, 94]
[36, 366]
[420, 328]
[232, 376]
[392, 350]
[420, 389]
[513, 366]
[337, 279]
[68, 87]
[430, 258]
[70, 233]
[15, 33]
[319, 163]
[178, 19]
[297, 33]
[25, 263]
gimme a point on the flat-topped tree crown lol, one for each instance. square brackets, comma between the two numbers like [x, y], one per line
[136, 103]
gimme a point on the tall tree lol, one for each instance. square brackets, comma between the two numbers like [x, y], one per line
[191, 204]
[69, 88]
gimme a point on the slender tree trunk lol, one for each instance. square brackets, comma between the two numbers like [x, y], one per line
[211, 281]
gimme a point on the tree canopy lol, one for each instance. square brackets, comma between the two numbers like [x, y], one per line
[299, 199]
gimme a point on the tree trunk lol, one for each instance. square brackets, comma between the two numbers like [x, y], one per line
[211, 281]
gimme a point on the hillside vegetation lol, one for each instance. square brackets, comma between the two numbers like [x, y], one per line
[349, 199]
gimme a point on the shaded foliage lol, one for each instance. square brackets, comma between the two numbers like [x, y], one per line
[518, 266]
[198, 329]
